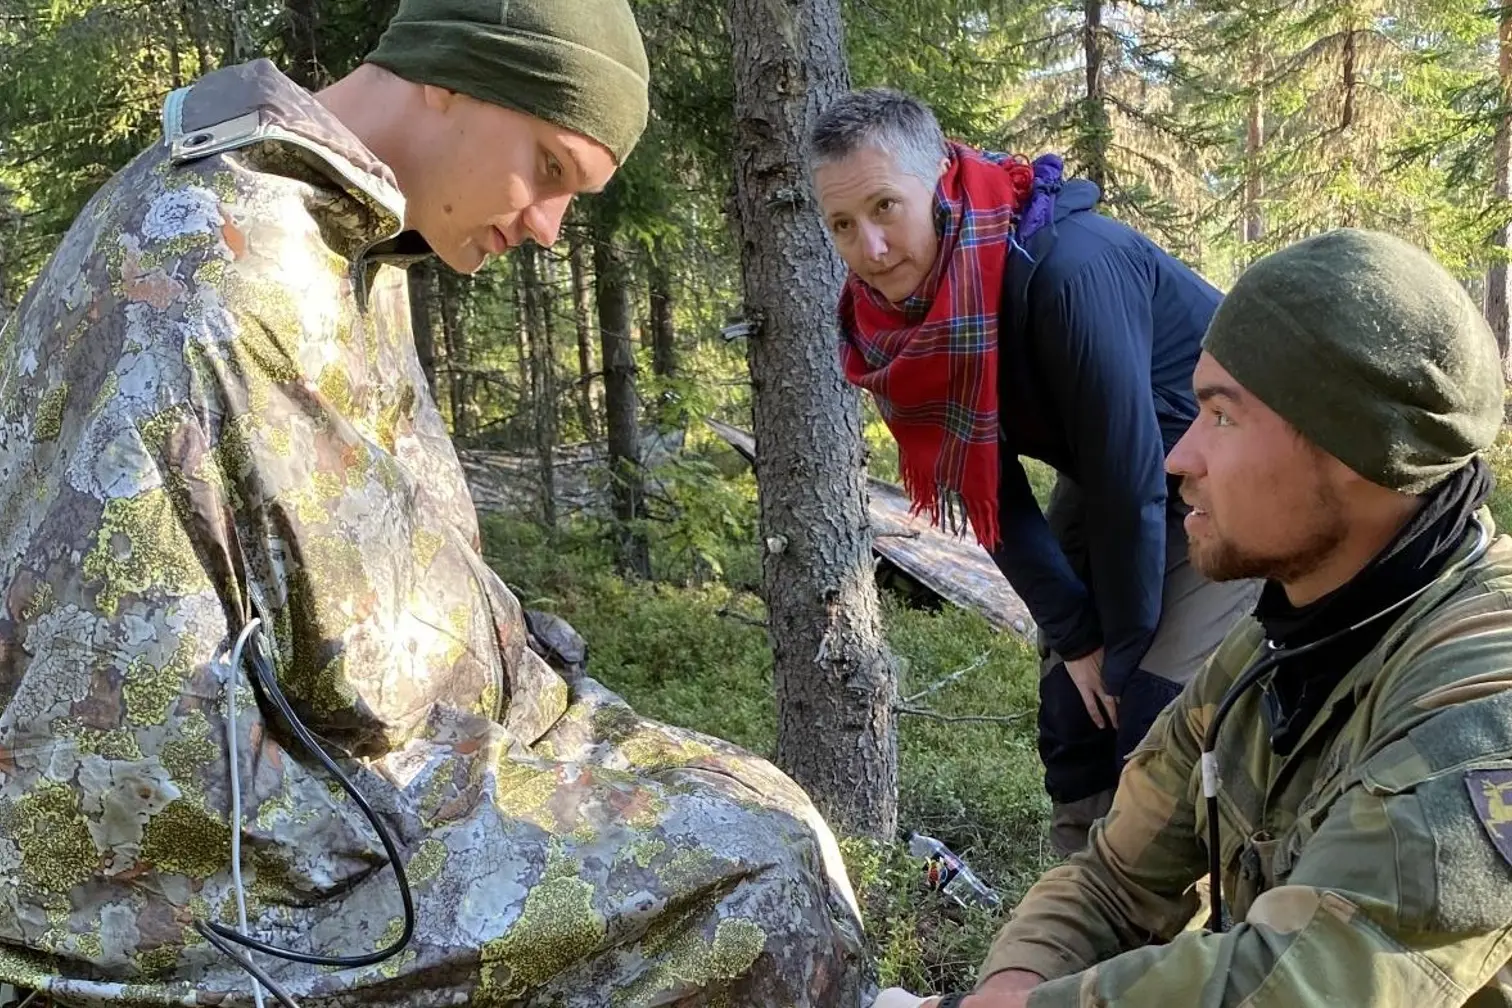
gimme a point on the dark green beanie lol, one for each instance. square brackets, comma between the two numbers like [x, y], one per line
[577, 63]
[1371, 350]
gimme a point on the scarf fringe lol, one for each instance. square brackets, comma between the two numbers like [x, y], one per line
[950, 510]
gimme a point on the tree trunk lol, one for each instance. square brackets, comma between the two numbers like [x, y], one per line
[551, 434]
[458, 363]
[621, 407]
[1254, 141]
[5, 239]
[422, 288]
[1351, 77]
[663, 337]
[542, 379]
[582, 319]
[642, 323]
[231, 45]
[301, 54]
[546, 272]
[196, 22]
[175, 53]
[1498, 281]
[521, 331]
[1097, 131]
[836, 733]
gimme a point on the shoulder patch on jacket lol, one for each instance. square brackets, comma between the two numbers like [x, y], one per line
[1491, 793]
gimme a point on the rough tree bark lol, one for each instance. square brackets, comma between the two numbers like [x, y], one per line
[542, 377]
[582, 318]
[663, 335]
[458, 361]
[234, 46]
[1254, 142]
[834, 676]
[422, 295]
[621, 404]
[300, 32]
[175, 55]
[1498, 277]
[196, 23]
[5, 229]
[1097, 129]
[1348, 61]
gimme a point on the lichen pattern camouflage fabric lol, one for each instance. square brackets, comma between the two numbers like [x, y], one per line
[211, 409]
[1357, 869]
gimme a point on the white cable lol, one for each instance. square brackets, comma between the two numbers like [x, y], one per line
[1210, 780]
[233, 677]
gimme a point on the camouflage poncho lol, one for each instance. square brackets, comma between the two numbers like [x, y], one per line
[211, 409]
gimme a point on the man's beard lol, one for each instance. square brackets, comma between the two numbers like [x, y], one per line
[1219, 559]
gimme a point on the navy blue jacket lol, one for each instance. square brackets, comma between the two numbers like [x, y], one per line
[1099, 331]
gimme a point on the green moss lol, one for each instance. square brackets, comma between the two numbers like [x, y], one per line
[557, 927]
[57, 852]
[186, 839]
[49, 421]
[142, 545]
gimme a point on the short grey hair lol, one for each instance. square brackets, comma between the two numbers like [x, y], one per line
[888, 120]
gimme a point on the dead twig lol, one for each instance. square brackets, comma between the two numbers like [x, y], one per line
[981, 660]
[957, 718]
[739, 618]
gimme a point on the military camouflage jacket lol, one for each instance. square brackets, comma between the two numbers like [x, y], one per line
[1372, 866]
[211, 409]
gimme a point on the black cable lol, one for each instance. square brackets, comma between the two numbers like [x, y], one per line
[1241, 686]
[231, 952]
[1209, 746]
[218, 934]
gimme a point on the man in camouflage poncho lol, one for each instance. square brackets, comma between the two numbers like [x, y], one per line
[211, 411]
[1364, 768]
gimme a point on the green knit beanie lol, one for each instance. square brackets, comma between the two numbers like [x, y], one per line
[1371, 350]
[577, 63]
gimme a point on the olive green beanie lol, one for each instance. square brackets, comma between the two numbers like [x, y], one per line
[579, 64]
[1371, 350]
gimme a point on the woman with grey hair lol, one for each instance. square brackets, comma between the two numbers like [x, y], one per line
[993, 313]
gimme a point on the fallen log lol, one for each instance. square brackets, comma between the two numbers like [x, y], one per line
[505, 481]
[933, 562]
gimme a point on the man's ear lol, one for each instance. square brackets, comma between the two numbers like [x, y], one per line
[438, 99]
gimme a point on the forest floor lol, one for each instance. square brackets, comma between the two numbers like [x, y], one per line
[689, 650]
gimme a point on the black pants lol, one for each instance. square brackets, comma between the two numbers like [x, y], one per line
[1080, 758]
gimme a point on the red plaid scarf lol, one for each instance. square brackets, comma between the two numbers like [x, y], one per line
[931, 362]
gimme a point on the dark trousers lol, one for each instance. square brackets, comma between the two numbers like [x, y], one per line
[1080, 758]
[1082, 762]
